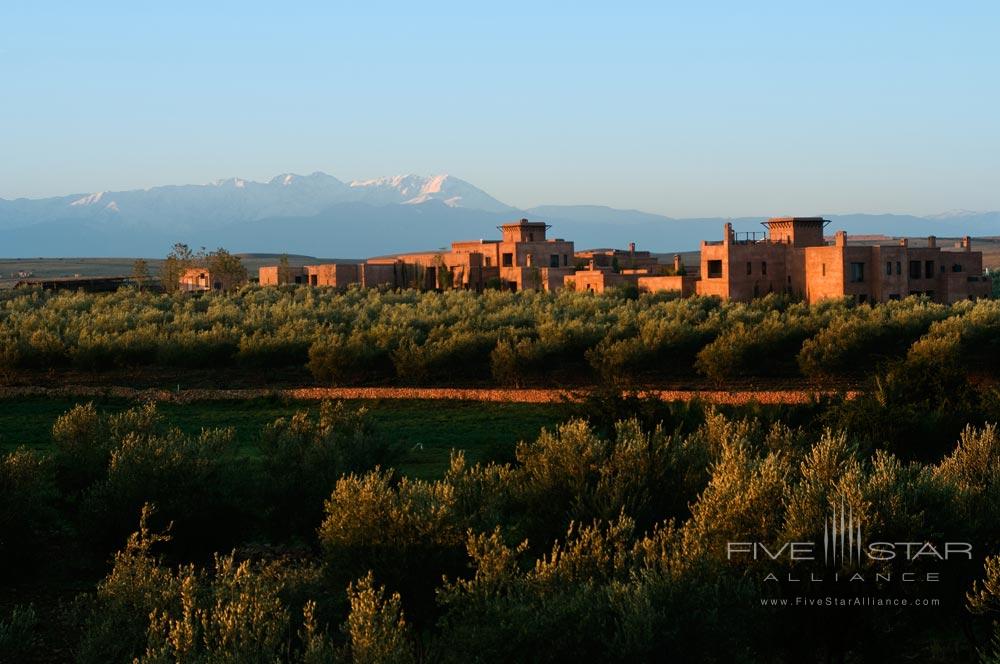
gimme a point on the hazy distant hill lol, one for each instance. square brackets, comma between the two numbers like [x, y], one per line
[319, 214]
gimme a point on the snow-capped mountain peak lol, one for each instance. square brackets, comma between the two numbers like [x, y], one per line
[416, 189]
[89, 199]
[235, 200]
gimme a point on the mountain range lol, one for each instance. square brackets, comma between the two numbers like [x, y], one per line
[318, 214]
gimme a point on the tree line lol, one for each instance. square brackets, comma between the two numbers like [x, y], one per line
[406, 336]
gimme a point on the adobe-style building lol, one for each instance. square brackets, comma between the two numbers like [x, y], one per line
[199, 279]
[524, 258]
[619, 259]
[329, 274]
[651, 277]
[794, 257]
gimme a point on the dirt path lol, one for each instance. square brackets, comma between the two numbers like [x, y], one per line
[415, 393]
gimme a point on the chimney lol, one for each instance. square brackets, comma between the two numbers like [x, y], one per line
[841, 239]
[678, 265]
[904, 242]
[931, 241]
[967, 243]
[727, 233]
[631, 248]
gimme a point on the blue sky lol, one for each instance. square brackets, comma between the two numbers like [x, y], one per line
[686, 109]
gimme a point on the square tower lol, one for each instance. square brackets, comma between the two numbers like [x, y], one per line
[524, 231]
[797, 231]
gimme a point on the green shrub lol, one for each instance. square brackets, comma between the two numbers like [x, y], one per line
[28, 513]
[18, 637]
[344, 360]
[303, 457]
[194, 481]
[407, 533]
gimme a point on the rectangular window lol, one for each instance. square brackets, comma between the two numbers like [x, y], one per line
[554, 260]
[489, 261]
[763, 267]
[914, 269]
[565, 260]
[749, 267]
[714, 269]
[824, 269]
[928, 269]
[899, 267]
[507, 260]
[857, 272]
[893, 296]
[888, 268]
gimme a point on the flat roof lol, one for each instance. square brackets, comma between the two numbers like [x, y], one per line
[522, 223]
[785, 220]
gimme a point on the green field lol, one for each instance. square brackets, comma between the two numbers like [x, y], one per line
[425, 431]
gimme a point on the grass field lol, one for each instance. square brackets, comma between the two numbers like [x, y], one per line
[425, 431]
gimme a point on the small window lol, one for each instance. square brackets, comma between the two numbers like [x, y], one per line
[914, 269]
[956, 268]
[763, 267]
[298, 279]
[857, 272]
[942, 269]
[565, 260]
[314, 279]
[899, 268]
[489, 261]
[507, 260]
[554, 260]
[531, 237]
[749, 267]
[928, 269]
[888, 268]
[824, 269]
[714, 269]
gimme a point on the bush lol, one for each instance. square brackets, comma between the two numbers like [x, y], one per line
[406, 533]
[18, 638]
[28, 513]
[344, 360]
[194, 481]
[854, 345]
[303, 457]
[237, 612]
